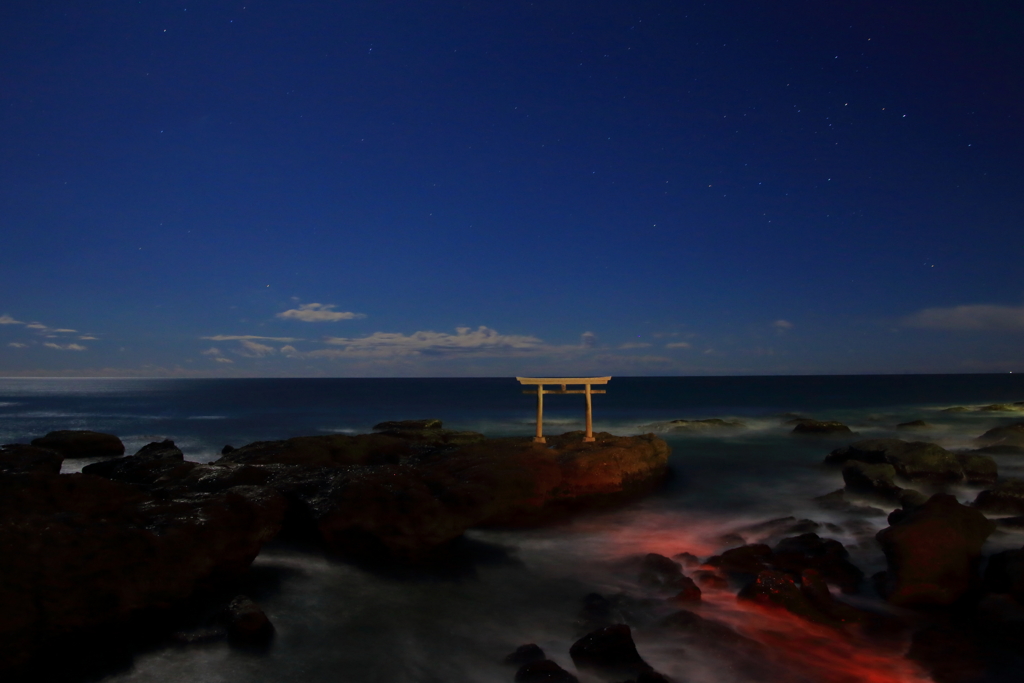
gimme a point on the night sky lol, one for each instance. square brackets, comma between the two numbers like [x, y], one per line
[442, 188]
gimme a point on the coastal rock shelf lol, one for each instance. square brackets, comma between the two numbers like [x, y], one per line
[89, 550]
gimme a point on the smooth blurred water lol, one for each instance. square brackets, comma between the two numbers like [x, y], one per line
[339, 622]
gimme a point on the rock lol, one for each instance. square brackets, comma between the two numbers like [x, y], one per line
[247, 624]
[1007, 435]
[609, 651]
[80, 553]
[544, 671]
[837, 502]
[933, 552]
[227, 449]
[1006, 498]
[781, 525]
[695, 426]
[824, 555]
[710, 580]
[1014, 523]
[17, 458]
[81, 443]
[746, 560]
[875, 480]
[912, 460]
[1000, 408]
[956, 409]
[657, 571]
[778, 589]
[1005, 574]
[407, 425]
[914, 424]
[524, 654]
[331, 450]
[687, 559]
[154, 463]
[740, 657]
[820, 428]
[978, 468]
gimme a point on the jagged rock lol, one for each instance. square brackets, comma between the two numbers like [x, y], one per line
[913, 424]
[1006, 498]
[956, 409]
[330, 450]
[657, 571]
[427, 433]
[874, 480]
[247, 624]
[1005, 574]
[825, 555]
[17, 458]
[912, 460]
[155, 462]
[695, 426]
[1000, 408]
[524, 654]
[978, 468]
[820, 427]
[1010, 437]
[747, 559]
[544, 671]
[933, 552]
[609, 651]
[79, 552]
[810, 599]
[81, 443]
[687, 559]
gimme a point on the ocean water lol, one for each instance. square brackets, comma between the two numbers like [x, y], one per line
[336, 621]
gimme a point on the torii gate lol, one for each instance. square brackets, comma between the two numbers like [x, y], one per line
[563, 381]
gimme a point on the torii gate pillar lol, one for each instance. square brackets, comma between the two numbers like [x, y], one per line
[539, 382]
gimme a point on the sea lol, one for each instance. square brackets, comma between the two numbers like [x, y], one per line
[337, 621]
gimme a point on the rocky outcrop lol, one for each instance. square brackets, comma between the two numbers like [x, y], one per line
[874, 480]
[826, 556]
[524, 654]
[1004, 439]
[711, 424]
[809, 427]
[933, 552]
[1006, 498]
[17, 458]
[154, 464]
[247, 623]
[914, 424]
[609, 652]
[806, 596]
[916, 461]
[80, 552]
[81, 443]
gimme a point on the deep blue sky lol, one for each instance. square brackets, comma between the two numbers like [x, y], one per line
[645, 188]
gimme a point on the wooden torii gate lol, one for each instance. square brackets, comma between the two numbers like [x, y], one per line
[563, 382]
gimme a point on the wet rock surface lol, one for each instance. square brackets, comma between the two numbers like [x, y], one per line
[1006, 498]
[81, 443]
[809, 427]
[19, 458]
[933, 552]
[911, 460]
[1010, 438]
[609, 652]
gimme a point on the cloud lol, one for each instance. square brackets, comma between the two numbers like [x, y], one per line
[89, 338]
[318, 313]
[677, 345]
[223, 360]
[782, 325]
[481, 341]
[244, 337]
[212, 351]
[18, 345]
[290, 352]
[8, 320]
[985, 317]
[65, 347]
[65, 331]
[251, 349]
[36, 326]
[634, 345]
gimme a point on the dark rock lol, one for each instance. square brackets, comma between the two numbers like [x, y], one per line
[227, 449]
[978, 468]
[912, 460]
[17, 458]
[202, 634]
[1006, 498]
[544, 671]
[524, 654]
[696, 426]
[913, 424]
[330, 450]
[778, 589]
[820, 428]
[710, 580]
[247, 624]
[827, 556]
[81, 443]
[1007, 435]
[1014, 523]
[609, 651]
[874, 480]
[407, 425]
[155, 462]
[1005, 574]
[837, 502]
[687, 559]
[79, 553]
[933, 552]
[781, 526]
[999, 408]
[956, 409]
[748, 559]
[657, 571]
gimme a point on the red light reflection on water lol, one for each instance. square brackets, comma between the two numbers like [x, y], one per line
[810, 651]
